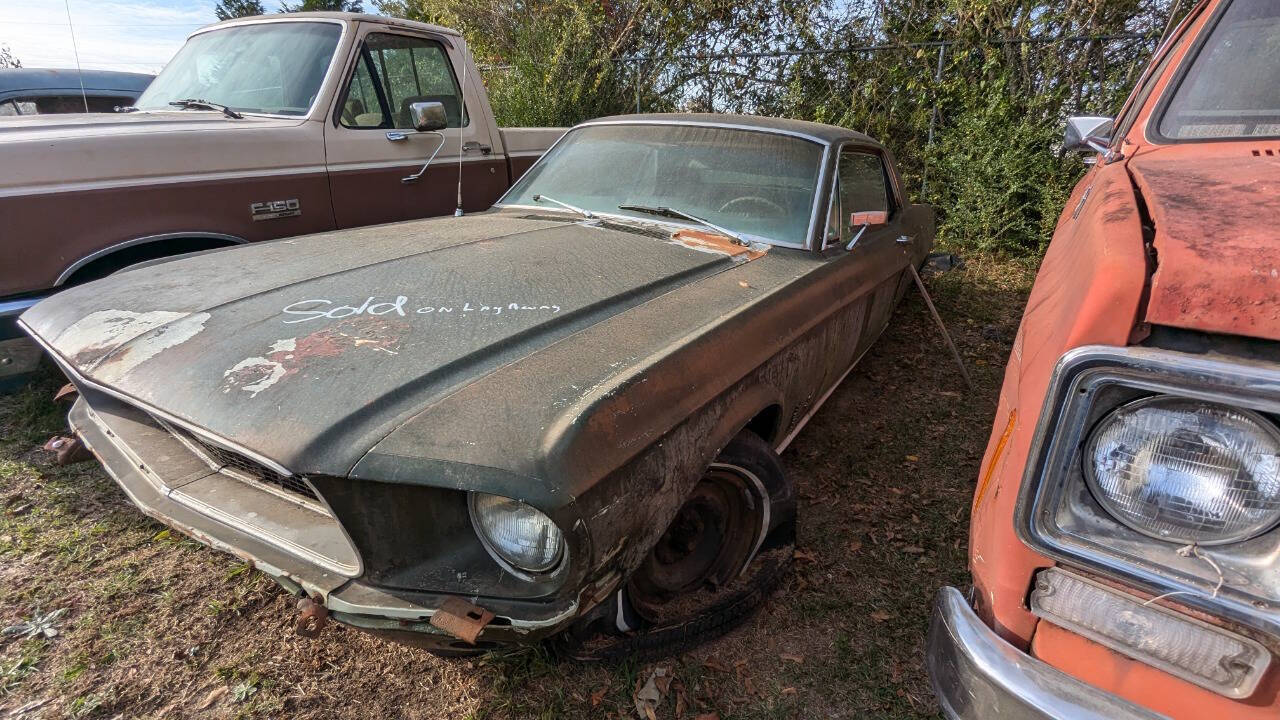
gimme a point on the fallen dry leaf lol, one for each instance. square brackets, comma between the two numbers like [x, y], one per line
[712, 663]
[804, 555]
[212, 697]
[708, 716]
[913, 458]
[855, 545]
[743, 283]
[793, 658]
[598, 696]
[788, 691]
[880, 616]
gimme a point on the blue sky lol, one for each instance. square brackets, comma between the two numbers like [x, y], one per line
[134, 35]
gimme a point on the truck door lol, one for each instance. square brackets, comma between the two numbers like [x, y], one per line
[371, 146]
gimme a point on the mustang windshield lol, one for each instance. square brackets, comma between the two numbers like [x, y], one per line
[758, 184]
[1232, 89]
[273, 68]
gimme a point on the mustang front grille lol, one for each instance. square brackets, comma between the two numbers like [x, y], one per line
[237, 465]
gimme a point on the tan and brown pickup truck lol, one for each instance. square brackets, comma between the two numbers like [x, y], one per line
[259, 128]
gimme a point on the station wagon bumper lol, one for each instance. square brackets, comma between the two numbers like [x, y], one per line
[976, 674]
[106, 430]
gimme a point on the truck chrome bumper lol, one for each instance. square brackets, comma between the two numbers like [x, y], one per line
[977, 674]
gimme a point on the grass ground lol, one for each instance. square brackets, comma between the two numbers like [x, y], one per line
[157, 626]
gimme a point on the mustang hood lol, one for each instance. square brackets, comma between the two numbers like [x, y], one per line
[1217, 238]
[312, 349]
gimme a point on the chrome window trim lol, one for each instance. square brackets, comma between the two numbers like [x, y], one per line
[102, 252]
[1209, 377]
[328, 73]
[824, 171]
[80, 379]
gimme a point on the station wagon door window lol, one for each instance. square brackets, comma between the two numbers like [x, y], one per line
[395, 71]
[861, 186]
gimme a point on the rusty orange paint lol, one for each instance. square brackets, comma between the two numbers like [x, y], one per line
[995, 458]
[1102, 667]
[1213, 268]
[715, 242]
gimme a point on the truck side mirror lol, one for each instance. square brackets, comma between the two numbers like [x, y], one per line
[1088, 133]
[428, 116]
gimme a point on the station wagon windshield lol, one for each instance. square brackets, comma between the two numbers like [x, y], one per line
[269, 68]
[1232, 88]
[760, 185]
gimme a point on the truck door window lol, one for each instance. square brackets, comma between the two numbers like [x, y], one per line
[862, 188]
[394, 72]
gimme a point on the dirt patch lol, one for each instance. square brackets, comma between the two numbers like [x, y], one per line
[159, 627]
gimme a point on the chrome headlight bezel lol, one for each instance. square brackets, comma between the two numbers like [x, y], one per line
[1058, 515]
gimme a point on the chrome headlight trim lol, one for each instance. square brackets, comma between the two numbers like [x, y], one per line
[1053, 470]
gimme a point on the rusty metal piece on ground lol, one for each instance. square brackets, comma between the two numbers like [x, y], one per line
[313, 618]
[461, 619]
[968, 381]
[68, 450]
[67, 393]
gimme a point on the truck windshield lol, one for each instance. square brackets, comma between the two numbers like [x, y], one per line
[273, 68]
[760, 185]
[1232, 88]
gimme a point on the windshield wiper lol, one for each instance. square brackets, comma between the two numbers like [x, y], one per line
[206, 105]
[584, 213]
[673, 213]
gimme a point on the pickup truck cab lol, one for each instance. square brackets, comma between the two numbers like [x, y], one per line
[258, 128]
[1124, 544]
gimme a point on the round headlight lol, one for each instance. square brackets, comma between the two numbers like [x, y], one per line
[515, 533]
[1186, 471]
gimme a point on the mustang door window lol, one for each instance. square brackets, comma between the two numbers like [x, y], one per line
[271, 68]
[395, 71]
[1230, 88]
[860, 187]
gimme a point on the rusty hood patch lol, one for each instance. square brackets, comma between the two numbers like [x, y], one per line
[711, 242]
[1217, 218]
[312, 368]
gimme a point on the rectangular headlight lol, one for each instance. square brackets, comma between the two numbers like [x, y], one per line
[1200, 653]
[1142, 507]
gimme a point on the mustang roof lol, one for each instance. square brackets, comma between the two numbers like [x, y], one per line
[819, 131]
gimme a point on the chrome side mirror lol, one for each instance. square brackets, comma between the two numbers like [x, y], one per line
[1088, 133]
[428, 116]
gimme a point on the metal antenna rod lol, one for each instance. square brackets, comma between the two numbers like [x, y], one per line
[463, 97]
[75, 50]
[968, 381]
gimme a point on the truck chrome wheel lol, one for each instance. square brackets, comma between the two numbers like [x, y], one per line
[707, 545]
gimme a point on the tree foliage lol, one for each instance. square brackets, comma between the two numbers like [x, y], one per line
[314, 5]
[970, 95]
[227, 9]
[7, 60]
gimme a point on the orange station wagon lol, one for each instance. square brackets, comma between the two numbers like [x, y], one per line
[1125, 548]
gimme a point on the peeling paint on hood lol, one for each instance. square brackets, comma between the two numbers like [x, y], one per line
[111, 343]
[1217, 218]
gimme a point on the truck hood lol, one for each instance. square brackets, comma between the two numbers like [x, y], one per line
[1217, 239]
[310, 350]
[52, 150]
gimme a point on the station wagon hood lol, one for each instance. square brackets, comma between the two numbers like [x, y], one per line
[312, 349]
[1217, 238]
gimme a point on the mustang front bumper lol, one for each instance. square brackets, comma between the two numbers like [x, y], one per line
[125, 445]
[977, 675]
